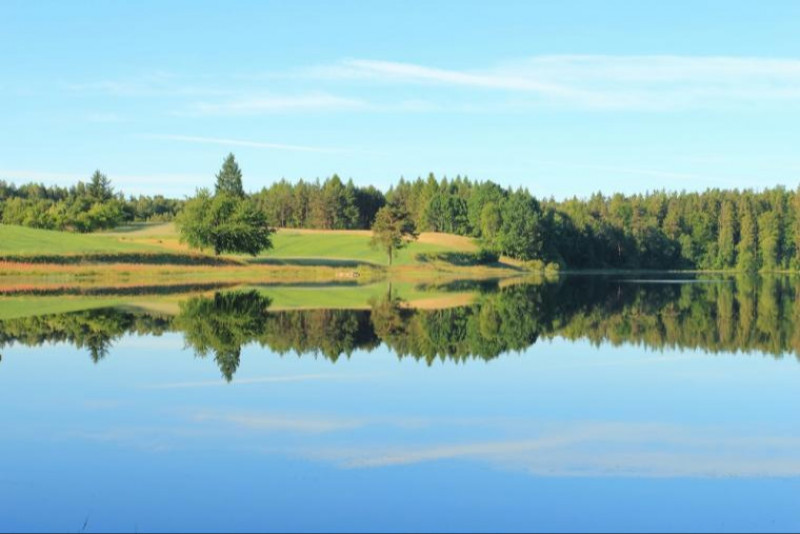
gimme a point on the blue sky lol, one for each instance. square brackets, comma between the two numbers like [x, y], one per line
[565, 98]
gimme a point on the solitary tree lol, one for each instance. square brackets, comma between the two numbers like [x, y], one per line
[229, 178]
[227, 222]
[393, 229]
[224, 223]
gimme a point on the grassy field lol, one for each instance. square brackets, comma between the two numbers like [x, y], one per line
[46, 263]
[21, 240]
[354, 245]
[332, 247]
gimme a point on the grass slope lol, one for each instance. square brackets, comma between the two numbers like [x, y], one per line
[346, 245]
[293, 248]
[333, 246]
[21, 240]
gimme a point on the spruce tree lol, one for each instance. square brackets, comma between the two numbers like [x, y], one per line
[727, 235]
[748, 238]
[229, 178]
[769, 240]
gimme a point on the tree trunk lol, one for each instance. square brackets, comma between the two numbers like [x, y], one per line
[390, 257]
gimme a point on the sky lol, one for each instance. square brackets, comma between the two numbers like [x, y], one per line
[562, 97]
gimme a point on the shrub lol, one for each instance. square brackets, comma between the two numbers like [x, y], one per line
[485, 256]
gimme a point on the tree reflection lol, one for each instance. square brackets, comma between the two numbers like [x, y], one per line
[730, 315]
[222, 324]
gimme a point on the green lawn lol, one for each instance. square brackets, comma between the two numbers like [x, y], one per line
[341, 246]
[326, 248]
[21, 240]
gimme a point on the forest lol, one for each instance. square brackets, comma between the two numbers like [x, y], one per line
[717, 229]
[84, 207]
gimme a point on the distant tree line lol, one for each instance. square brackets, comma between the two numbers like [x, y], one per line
[716, 229]
[329, 205]
[740, 230]
[84, 207]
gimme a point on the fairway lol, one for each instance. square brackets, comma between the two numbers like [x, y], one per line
[341, 245]
[21, 240]
[352, 245]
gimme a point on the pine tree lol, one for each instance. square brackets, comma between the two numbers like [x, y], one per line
[100, 187]
[769, 237]
[748, 238]
[229, 178]
[726, 253]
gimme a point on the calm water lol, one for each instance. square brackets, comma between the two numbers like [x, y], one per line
[587, 404]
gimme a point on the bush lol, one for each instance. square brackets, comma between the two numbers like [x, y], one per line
[485, 256]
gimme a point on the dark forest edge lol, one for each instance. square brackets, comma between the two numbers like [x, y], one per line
[735, 315]
[717, 229]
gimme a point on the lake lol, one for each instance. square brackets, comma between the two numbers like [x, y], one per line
[599, 403]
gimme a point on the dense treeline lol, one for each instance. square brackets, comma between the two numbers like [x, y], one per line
[746, 314]
[716, 229]
[327, 205]
[84, 207]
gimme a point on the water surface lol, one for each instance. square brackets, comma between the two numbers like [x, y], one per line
[591, 403]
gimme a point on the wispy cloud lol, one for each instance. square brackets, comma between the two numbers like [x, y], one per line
[645, 83]
[278, 423]
[540, 448]
[409, 72]
[601, 449]
[242, 143]
[264, 104]
[593, 82]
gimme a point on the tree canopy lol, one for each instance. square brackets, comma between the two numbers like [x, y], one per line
[224, 223]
